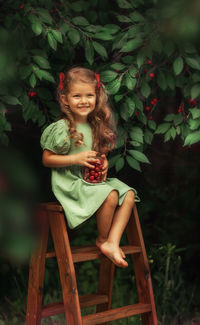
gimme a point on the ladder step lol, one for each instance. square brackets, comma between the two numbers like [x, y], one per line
[117, 313]
[88, 253]
[85, 301]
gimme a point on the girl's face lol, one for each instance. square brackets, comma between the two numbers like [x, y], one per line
[81, 99]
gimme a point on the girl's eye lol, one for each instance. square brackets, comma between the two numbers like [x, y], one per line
[76, 96]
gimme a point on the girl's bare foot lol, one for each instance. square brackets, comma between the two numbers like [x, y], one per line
[113, 252]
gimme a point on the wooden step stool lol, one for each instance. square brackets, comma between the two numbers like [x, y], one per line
[51, 214]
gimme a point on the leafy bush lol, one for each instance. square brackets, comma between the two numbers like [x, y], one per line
[146, 53]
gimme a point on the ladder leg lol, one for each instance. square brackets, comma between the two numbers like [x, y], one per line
[36, 273]
[106, 277]
[66, 268]
[141, 268]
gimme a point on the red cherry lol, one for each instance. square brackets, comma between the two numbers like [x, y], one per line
[149, 62]
[152, 75]
[97, 169]
[21, 6]
[136, 113]
[94, 181]
[92, 172]
[91, 178]
[147, 108]
[146, 70]
[6, 111]
[179, 109]
[152, 102]
[96, 175]
[155, 100]
[136, 75]
[151, 117]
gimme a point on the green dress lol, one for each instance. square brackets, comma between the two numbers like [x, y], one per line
[79, 199]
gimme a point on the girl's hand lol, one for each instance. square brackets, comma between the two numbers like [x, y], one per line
[105, 167]
[86, 158]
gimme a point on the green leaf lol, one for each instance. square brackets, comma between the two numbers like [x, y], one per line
[131, 45]
[131, 106]
[133, 71]
[138, 102]
[118, 66]
[195, 112]
[51, 40]
[194, 124]
[178, 119]
[136, 134]
[124, 112]
[195, 91]
[114, 86]
[173, 132]
[11, 100]
[108, 75]
[170, 81]
[193, 63]
[145, 89]
[161, 81]
[162, 128]
[32, 80]
[89, 52]
[113, 160]
[139, 156]
[178, 65]
[119, 164]
[37, 28]
[169, 117]
[136, 17]
[41, 61]
[44, 15]
[141, 56]
[117, 98]
[100, 49]
[129, 81]
[152, 125]
[81, 21]
[123, 19]
[103, 36]
[74, 36]
[112, 28]
[25, 71]
[124, 4]
[192, 138]
[45, 75]
[133, 163]
[148, 136]
[57, 35]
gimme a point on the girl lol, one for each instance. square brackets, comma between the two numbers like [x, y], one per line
[85, 129]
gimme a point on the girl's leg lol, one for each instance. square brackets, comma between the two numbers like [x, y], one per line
[110, 247]
[105, 216]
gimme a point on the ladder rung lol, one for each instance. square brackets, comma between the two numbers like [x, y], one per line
[117, 313]
[88, 253]
[85, 301]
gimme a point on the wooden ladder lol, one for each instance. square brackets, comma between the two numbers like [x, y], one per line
[51, 216]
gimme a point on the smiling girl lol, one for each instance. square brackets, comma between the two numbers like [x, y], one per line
[85, 130]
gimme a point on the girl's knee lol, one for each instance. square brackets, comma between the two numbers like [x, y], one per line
[112, 198]
[130, 197]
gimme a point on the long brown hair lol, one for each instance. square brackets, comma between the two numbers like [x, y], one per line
[100, 119]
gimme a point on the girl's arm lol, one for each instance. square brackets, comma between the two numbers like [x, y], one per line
[53, 160]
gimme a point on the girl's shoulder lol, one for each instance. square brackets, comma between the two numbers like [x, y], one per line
[55, 135]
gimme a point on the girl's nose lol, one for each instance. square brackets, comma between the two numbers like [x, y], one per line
[83, 100]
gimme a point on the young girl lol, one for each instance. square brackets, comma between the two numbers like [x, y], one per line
[86, 128]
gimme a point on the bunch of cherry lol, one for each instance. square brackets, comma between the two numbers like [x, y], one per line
[94, 175]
